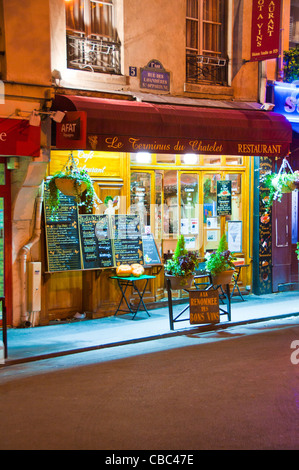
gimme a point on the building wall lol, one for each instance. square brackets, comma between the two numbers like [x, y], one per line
[27, 80]
[35, 56]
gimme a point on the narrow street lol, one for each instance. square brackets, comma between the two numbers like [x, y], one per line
[231, 389]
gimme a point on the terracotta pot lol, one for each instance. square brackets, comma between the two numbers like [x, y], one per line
[67, 186]
[179, 282]
[222, 278]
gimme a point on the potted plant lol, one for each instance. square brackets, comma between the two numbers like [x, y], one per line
[291, 65]
[180, 268]
[279, 184]
[220, 263]
[72, 182]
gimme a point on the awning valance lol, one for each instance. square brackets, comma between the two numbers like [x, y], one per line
[130, 126]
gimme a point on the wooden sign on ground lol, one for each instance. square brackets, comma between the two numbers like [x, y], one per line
[204, 306]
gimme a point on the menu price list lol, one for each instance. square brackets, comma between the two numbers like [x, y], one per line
[127, 239]
[96, 241]
[62, 235]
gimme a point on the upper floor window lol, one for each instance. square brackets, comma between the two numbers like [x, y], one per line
[294, 24]
[92, 40]
[206, 54]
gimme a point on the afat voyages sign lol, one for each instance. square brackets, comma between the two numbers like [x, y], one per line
[265, 29]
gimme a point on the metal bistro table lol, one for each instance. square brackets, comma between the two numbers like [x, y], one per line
[126, 281]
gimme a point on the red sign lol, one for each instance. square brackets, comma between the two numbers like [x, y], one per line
[17, 137]
[265, 29]
[71, 131]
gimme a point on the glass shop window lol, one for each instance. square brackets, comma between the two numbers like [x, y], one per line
[141, 158]
[212, 160]
[190, 209]
[211, 222]
[141, 198]
[166, 158]
[189, 159]
[170, 219]
[234, 160]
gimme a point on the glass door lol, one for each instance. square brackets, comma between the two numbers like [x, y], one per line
[189, 210]
[212, 229]
[217, 221]
[140, 198]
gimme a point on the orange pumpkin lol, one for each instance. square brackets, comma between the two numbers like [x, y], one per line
[124, 270]
[137, 270]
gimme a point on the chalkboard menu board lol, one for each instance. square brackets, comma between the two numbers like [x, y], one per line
[127, 240]
[62, 235]
[95, 234]
[151, 254]
[94, 241]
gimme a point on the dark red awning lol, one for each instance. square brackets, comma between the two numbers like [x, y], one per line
[130, 126]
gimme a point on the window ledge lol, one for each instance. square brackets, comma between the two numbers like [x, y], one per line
[209, 91]
[91, 80]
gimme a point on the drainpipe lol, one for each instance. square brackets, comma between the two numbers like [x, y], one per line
[24, 253]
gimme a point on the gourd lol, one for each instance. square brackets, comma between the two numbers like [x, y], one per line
[124, 270]
[137, 270]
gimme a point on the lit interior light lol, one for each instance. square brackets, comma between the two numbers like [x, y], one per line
[143, 157]
[190, 159]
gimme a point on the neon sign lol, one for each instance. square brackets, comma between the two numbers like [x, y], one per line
[286, 98]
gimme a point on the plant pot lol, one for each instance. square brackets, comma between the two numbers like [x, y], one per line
[68, 188]
[286, 187]
[222, 278]
[180, 282]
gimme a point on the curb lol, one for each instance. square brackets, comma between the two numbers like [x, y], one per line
[200, 329]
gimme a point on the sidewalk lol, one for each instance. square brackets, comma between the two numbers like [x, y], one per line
[43, 342]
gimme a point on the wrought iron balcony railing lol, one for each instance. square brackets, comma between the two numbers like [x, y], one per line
[203, 69]
[93, 54]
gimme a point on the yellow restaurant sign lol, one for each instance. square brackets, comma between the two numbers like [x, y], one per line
[95, 163]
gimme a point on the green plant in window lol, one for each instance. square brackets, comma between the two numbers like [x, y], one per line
[291, 65]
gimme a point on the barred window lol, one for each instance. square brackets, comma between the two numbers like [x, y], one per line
[92, 40]
[206, 40]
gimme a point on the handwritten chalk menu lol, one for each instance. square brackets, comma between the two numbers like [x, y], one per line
[127, 239]
[96, 241]
[62, 235]
[151, 254]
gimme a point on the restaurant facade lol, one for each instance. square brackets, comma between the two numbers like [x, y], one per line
[162, 162]
[160, 112]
